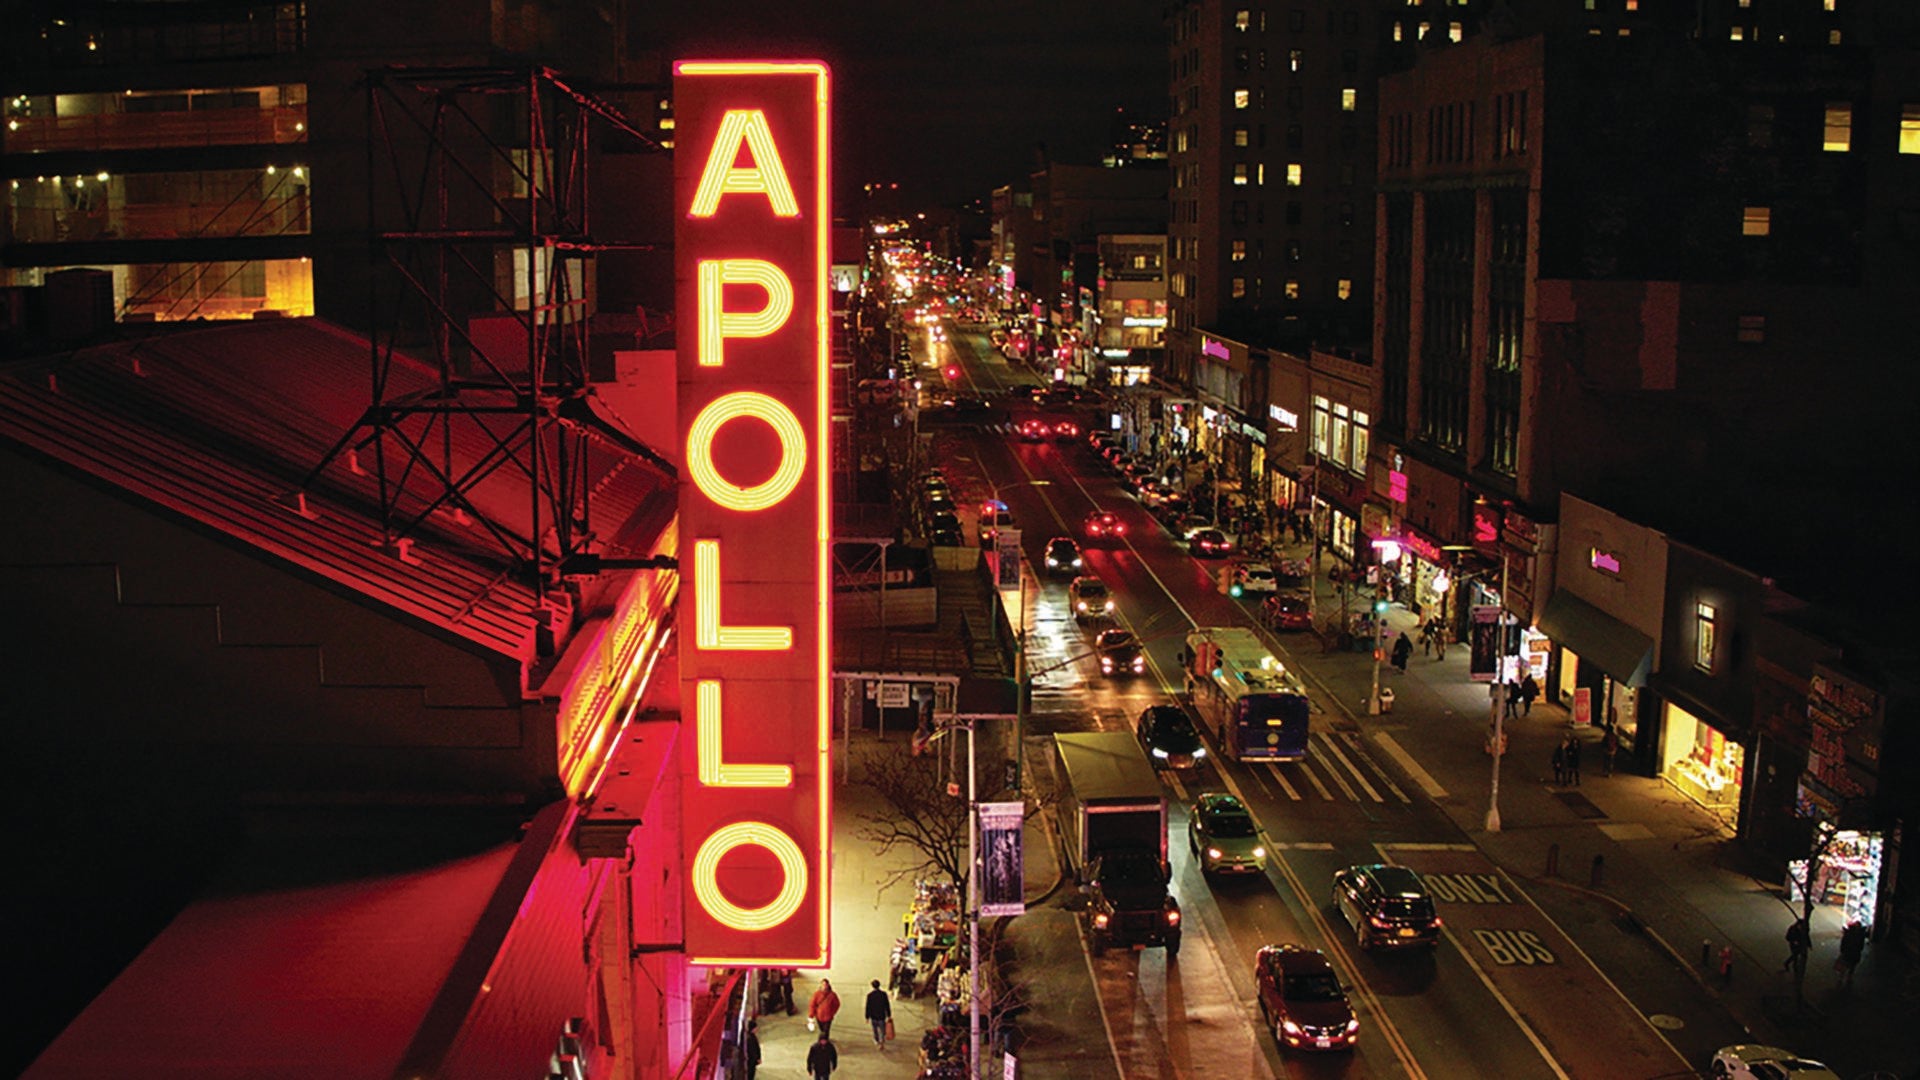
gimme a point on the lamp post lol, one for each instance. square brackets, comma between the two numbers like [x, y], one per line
[1499, 697]
[973, 896]
[1389, 551]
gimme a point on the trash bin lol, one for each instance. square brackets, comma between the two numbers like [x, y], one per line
[1386, 699]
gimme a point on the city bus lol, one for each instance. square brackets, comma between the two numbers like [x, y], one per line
[1255, 707]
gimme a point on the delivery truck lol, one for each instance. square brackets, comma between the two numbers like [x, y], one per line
[1112, 814]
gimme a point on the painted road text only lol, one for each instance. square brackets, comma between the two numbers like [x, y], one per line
[750, 267]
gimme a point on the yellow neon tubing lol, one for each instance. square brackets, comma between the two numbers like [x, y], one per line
[714, 771]
[706, 885]
[758, 406]
[766, 176]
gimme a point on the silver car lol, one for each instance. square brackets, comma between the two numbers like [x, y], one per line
[1223, 836]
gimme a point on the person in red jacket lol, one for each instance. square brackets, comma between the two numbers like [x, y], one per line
[824, 1006]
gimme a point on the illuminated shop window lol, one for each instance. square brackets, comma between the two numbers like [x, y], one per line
[1756, 221]
[1838, 138]
[1705, 627]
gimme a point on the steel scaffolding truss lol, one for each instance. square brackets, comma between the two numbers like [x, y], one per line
[478, 176]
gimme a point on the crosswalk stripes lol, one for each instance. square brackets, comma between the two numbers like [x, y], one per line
[1339, 757]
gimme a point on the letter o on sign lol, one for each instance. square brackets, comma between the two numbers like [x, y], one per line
[793, 869]
[706, 427]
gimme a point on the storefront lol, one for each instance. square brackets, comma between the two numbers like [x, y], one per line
[1604, 656]
[1848, 876]
[1700, 762]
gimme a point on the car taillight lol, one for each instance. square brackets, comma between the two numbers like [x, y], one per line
[1379, 922]
[1100, 921]
[1173, 916]
[1435, 924]
[1119, 528]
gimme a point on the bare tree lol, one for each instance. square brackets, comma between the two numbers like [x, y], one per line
[1820, 842]
[920, 816]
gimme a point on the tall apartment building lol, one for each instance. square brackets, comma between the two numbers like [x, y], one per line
[1272, 152]
[212, 157]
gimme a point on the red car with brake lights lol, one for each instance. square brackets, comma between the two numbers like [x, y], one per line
[1033, 430]
[1066, 429]
[1102, 523]
[1303, 1000]
[1211, 542]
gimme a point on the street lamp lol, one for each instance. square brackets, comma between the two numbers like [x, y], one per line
[1389, 552]
[1499, 698]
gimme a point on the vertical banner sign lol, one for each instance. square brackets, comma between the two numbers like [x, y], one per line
[1003, 889]
[1583, 707]
[750, 265]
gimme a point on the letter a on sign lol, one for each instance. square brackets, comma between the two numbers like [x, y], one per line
[750, 263]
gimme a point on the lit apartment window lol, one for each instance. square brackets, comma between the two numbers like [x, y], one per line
[1293, 59]
[1239, 288]
[1736, 33]
[1827, 4]
[1239, 137]
[1260, 174]
[1626, 31]
[1293, 174]
[1239, 251]
[1910, 128]
[1240, 174]
[1833, 37]
[1455, 31]
[1756, 221]
[1242, 98]
[1321, 408]
[1839, 128]
[1421, 34]
[1398, 32]
[1242, 19]
[1362, 441]
[1349, 99]
[1180, 142]
[1752, 330]
[1344, 288]
[1342, 430]
[1704, 626]
[1293, 290]
[1633, 5]
[1746, 3]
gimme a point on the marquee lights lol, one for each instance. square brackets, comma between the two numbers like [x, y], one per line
[750, 188]
[717, 324]
[708, 631]
[746, 404]
[766, 176]
[793, 869]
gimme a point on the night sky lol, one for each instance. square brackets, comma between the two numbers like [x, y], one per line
[948, 98]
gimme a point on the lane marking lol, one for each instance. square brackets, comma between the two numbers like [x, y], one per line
[1334, 745]
[1360, 754]
[1317, 785]
[1414, 845]
[1411, 767]
[1274, 771]
[1332, 773]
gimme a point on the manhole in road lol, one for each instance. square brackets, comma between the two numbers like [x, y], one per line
[1666, 1022]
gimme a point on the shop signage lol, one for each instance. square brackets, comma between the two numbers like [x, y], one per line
[1521, 533]
[1486, 524]
[1143, 320]
[1583, 707]
[1216, 349]
[1603, 561]
[750, 262]
[1002, 876]
[1286, 418]
[1422, 546]
[1397, 486]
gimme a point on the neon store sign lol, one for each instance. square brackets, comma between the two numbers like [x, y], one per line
[750, 259]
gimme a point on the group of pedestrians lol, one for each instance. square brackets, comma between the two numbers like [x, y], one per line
[823, 1057]
[1566, 762]
[1853, 943]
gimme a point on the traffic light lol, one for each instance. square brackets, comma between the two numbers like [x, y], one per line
[1380, 606]
[1235, 590]
[953, 372]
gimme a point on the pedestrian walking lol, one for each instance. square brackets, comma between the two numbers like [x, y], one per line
[784, 981]
[1799, 943]
[1853, 941]
[822, 1058]
[824, 1005]
[1609, 746]
[752, 1054]
[1402, 652]
[1528, 691]
[1426, 638]
[879, 1013]
[1512, 691]
[1560, 763]
[1573, 761]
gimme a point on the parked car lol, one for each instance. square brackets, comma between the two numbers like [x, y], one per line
[1169, 737]
[1065, 429]
[947, 538]
[1063, 555]
[1104, 523]
[1210, 543]
[1033, 429]
[1387, 906]
[994, 516]
[943, 520]
[1752, 1062]
[939, 502]
[1089, 598]
[1223, 836]
[1303, 1000]
[1255, 577]
[1120, 653]
[1286, 611]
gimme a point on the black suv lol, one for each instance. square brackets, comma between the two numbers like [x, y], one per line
[1387, 906]
[1128, 902]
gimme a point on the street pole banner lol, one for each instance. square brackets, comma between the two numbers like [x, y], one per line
[1006, 552]
[1003, 882]
[750, 264]
[1483, 661]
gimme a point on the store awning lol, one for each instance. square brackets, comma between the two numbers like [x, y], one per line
[1614, 647]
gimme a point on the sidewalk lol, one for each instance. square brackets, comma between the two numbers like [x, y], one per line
[1633, 855]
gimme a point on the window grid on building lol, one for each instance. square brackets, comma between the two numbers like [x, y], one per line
[1506, 312]
[1396, 312]
[1446, 349]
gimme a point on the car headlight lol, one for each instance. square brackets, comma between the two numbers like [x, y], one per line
[1199, 753]
[1109, 606]
[1259, 853]
[1106, 664]
[1290, 1027]
[1083, 605]
[1139, 664]
[1159, 753]
[1076, 564]
[1353, 1025]
[1214, 853]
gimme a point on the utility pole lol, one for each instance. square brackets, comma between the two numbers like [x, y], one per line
[1499, 694]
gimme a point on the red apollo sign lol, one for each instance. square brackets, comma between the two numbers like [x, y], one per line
[750, 261]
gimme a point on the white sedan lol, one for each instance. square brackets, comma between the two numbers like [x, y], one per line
[1750, 1062]
[1255, 577]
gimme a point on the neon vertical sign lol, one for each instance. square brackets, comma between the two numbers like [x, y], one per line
[750, 261]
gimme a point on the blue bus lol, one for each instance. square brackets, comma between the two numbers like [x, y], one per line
[1255, 707]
